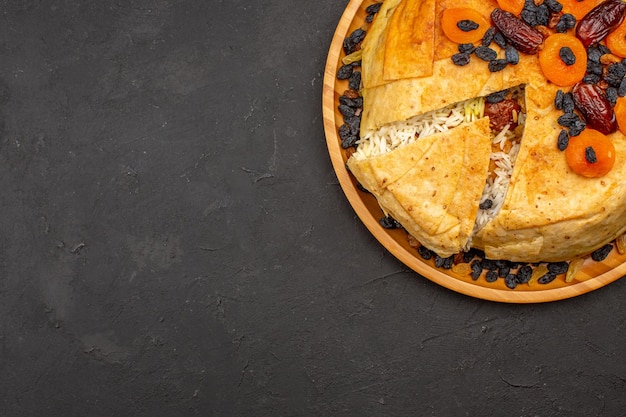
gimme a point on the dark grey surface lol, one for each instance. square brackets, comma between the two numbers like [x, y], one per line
[175, 242]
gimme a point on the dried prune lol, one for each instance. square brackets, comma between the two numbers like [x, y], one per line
[521, 35]
[600, 254]
[600, 21]
[595, 108]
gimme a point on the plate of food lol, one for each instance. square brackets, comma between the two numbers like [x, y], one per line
[483, 142]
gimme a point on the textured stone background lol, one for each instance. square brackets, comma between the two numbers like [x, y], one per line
[174, 241]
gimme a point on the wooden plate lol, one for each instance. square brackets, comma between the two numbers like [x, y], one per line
[593, 275]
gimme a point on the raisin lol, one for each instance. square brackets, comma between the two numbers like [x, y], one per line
[590, 155]
[488, 36]
[553, 5]
[491, 276]
[577, 127]
[346, 111]
[568, 119]
[594, 67]
[558, 100]
[615, 74]
[496, 97]
[489, 264]
[461, 59]
[565, 23]
[466, 48]
[563, 140]
[445, 263]
[511, 55]
[621, 90]
[543, 15]
[355, 103]
[477, 269]
[567, 56]
[497, 65]
[500, 40]
[355, 80]
[611, 95]
[600, 254]
[547, 278]
[558, 267]
[467, 25]
[510, 281]
[591, 78]
[524, 274]
[345, 71]
[425, 253]
[600, 21]
[389, 222]
[485, 53]
[504, 271]
[594, 53]
[486, 205]
[373, 8]
[568, 103]
[522, 36]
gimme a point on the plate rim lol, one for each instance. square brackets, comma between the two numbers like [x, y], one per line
[382, 235]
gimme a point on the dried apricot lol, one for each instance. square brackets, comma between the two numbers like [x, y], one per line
[512, 6]
[616, 40]
[620, 114]
[463, 24]
[579, 8]
[563, 59]
[590, 154]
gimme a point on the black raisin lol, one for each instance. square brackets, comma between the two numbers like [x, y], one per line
[510, 281]
[524, 274]
[488, 37]
[553, 5]
[461, 59]
[591, 78]
[445, 263]
[373, 8]
[491, 276]
[558, 100]
[497, 65]
[568, 119]
[615, 74]
[621, 90]
[355, 124]
[594, 54]
[389, 222]
[529, 13]
[568, 103]
[594, 67]
[611, 95]
[345, 71]
[467, 25]
[349, 141]
[500, 40]
[577, 127]
[344, 132]
[504, 271]
[565, 23]
[590, 155]
[604, 49]
[558, 267]
[511, 55]
[485, 53]
[600, 254]
[477, 269]
[547, 278]
[425, 253]
[346, 111]
[355, 80]
[355, 103]
[496, 97]
[369, 18]
[567, 56]
[489, 264]
[466, 47]
[486, 205]
[563, 140]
